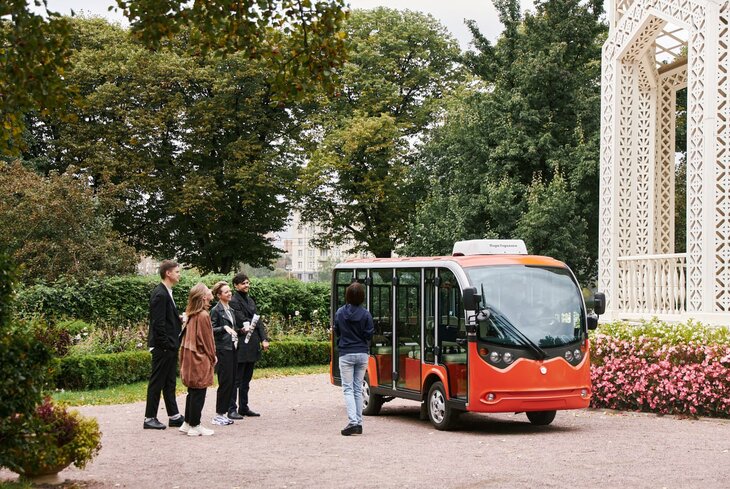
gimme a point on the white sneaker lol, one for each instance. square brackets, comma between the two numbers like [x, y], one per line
[221, 420]
[184, 428]
[204, 431]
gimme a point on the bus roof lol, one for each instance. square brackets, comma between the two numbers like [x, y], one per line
[463, 261]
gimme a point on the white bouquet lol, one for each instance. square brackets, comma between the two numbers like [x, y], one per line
[249, 327]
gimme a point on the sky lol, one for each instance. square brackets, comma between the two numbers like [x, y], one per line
[451, 13]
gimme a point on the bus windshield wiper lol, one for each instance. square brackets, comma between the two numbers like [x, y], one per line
[516, 333]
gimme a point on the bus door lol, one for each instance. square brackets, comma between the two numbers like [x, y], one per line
[343, 278]
[451, 335]
[381, 300]
[408, 328]
[429, 310]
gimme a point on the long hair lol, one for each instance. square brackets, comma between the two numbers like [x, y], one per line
[197, 299]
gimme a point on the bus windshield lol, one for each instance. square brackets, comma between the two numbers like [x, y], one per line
[542, 303]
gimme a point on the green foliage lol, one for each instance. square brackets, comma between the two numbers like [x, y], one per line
[55, 227]
[56, 438]
[126, 299]
[358, 184]
[23, 370]
[302, 41]
[532, 112]
[33, 57]
[99, 371]
[218, 157]
[670, 334]
[96, 371]
[291, 353]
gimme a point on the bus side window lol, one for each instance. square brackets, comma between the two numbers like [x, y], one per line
[451, 312]
[381, 309]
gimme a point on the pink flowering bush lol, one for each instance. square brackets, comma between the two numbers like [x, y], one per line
[662, 368]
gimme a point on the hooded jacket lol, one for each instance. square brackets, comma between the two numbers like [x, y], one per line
[354, 328]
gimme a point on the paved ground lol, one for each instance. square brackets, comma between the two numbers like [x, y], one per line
[296, 444]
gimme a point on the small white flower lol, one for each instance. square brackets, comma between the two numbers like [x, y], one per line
[296, 313]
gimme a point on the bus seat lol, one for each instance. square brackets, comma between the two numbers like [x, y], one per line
[454, 358]
[382, 350]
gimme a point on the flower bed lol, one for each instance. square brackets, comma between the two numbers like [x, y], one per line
[656, 367]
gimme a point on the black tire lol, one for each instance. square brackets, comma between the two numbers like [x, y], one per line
[442, 416]
[371, 403]
[541, 418]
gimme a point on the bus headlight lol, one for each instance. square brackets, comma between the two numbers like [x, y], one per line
[507, 357]
[569, 356]
[494, 357]
[577, 354]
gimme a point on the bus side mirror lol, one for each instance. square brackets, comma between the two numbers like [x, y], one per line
[471, 299]
[599, 303]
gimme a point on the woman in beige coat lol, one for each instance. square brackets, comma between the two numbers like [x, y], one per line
[197, 358]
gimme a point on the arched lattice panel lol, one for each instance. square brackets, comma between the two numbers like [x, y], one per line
[722, 168]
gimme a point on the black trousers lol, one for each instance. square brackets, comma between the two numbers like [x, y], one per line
[226, 367]
[162, 380]
[194, 403]
[244, 372]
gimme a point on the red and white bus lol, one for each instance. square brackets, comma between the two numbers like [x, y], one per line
[489, 329]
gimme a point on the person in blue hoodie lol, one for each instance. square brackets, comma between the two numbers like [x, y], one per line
[354, 328]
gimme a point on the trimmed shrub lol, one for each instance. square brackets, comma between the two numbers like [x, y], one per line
[293, 353]
[97, 371]
[663, 368]
[127, 298]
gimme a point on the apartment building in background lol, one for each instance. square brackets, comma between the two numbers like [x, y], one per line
[307, 262]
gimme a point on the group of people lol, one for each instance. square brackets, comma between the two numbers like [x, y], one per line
[227, 339]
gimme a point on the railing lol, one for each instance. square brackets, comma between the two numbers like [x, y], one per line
[652, 284]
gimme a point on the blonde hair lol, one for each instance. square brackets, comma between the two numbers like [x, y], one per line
[198, 299]
[217, 288]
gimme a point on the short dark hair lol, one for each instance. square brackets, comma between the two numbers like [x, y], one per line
[239, 278]
[166, 266]
[355, 294]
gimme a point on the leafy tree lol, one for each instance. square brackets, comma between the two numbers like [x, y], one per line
[534, 113]
[301, 42]
[359, 183]
[199, 160]
[53, 226]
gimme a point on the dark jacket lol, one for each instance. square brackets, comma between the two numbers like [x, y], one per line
[354, 328]
[244, 308]
[165, 323]
[219, 319]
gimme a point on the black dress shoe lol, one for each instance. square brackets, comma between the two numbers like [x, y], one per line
[176, 423]
[250, 413]
[359, 429]
[234, 415]
[153, 424]
[351, 430]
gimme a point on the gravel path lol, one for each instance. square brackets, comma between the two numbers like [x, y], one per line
[296, 444]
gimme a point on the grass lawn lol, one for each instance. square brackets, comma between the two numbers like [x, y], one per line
[123, 394]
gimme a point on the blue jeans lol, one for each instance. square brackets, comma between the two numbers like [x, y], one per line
[352, 372]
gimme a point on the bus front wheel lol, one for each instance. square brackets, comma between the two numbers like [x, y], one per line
[442, 416]
[541, 418]
[371, 403]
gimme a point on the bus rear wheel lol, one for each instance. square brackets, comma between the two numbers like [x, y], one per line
[541, 418]
[371, 403]
[442, 416]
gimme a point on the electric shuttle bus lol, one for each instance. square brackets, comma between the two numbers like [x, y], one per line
[489, 329]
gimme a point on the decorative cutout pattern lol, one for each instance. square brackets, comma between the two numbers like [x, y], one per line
[667, 87]
[722, 168]
[637, 159]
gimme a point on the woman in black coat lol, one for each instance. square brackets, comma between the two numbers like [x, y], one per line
[224, 322]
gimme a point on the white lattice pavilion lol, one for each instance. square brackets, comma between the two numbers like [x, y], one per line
[654, 48]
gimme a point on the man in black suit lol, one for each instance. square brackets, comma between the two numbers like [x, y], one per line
[251, 339]
[164, 342]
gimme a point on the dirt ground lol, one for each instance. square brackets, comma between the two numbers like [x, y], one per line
[296, 443]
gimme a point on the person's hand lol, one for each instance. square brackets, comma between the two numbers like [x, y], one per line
[265, 344]
[229, 330]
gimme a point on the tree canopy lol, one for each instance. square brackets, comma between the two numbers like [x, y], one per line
[54, 227]
[518, 153]
[358, 183]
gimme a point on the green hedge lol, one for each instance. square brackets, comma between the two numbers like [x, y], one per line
[126, 299]
[97, 371]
